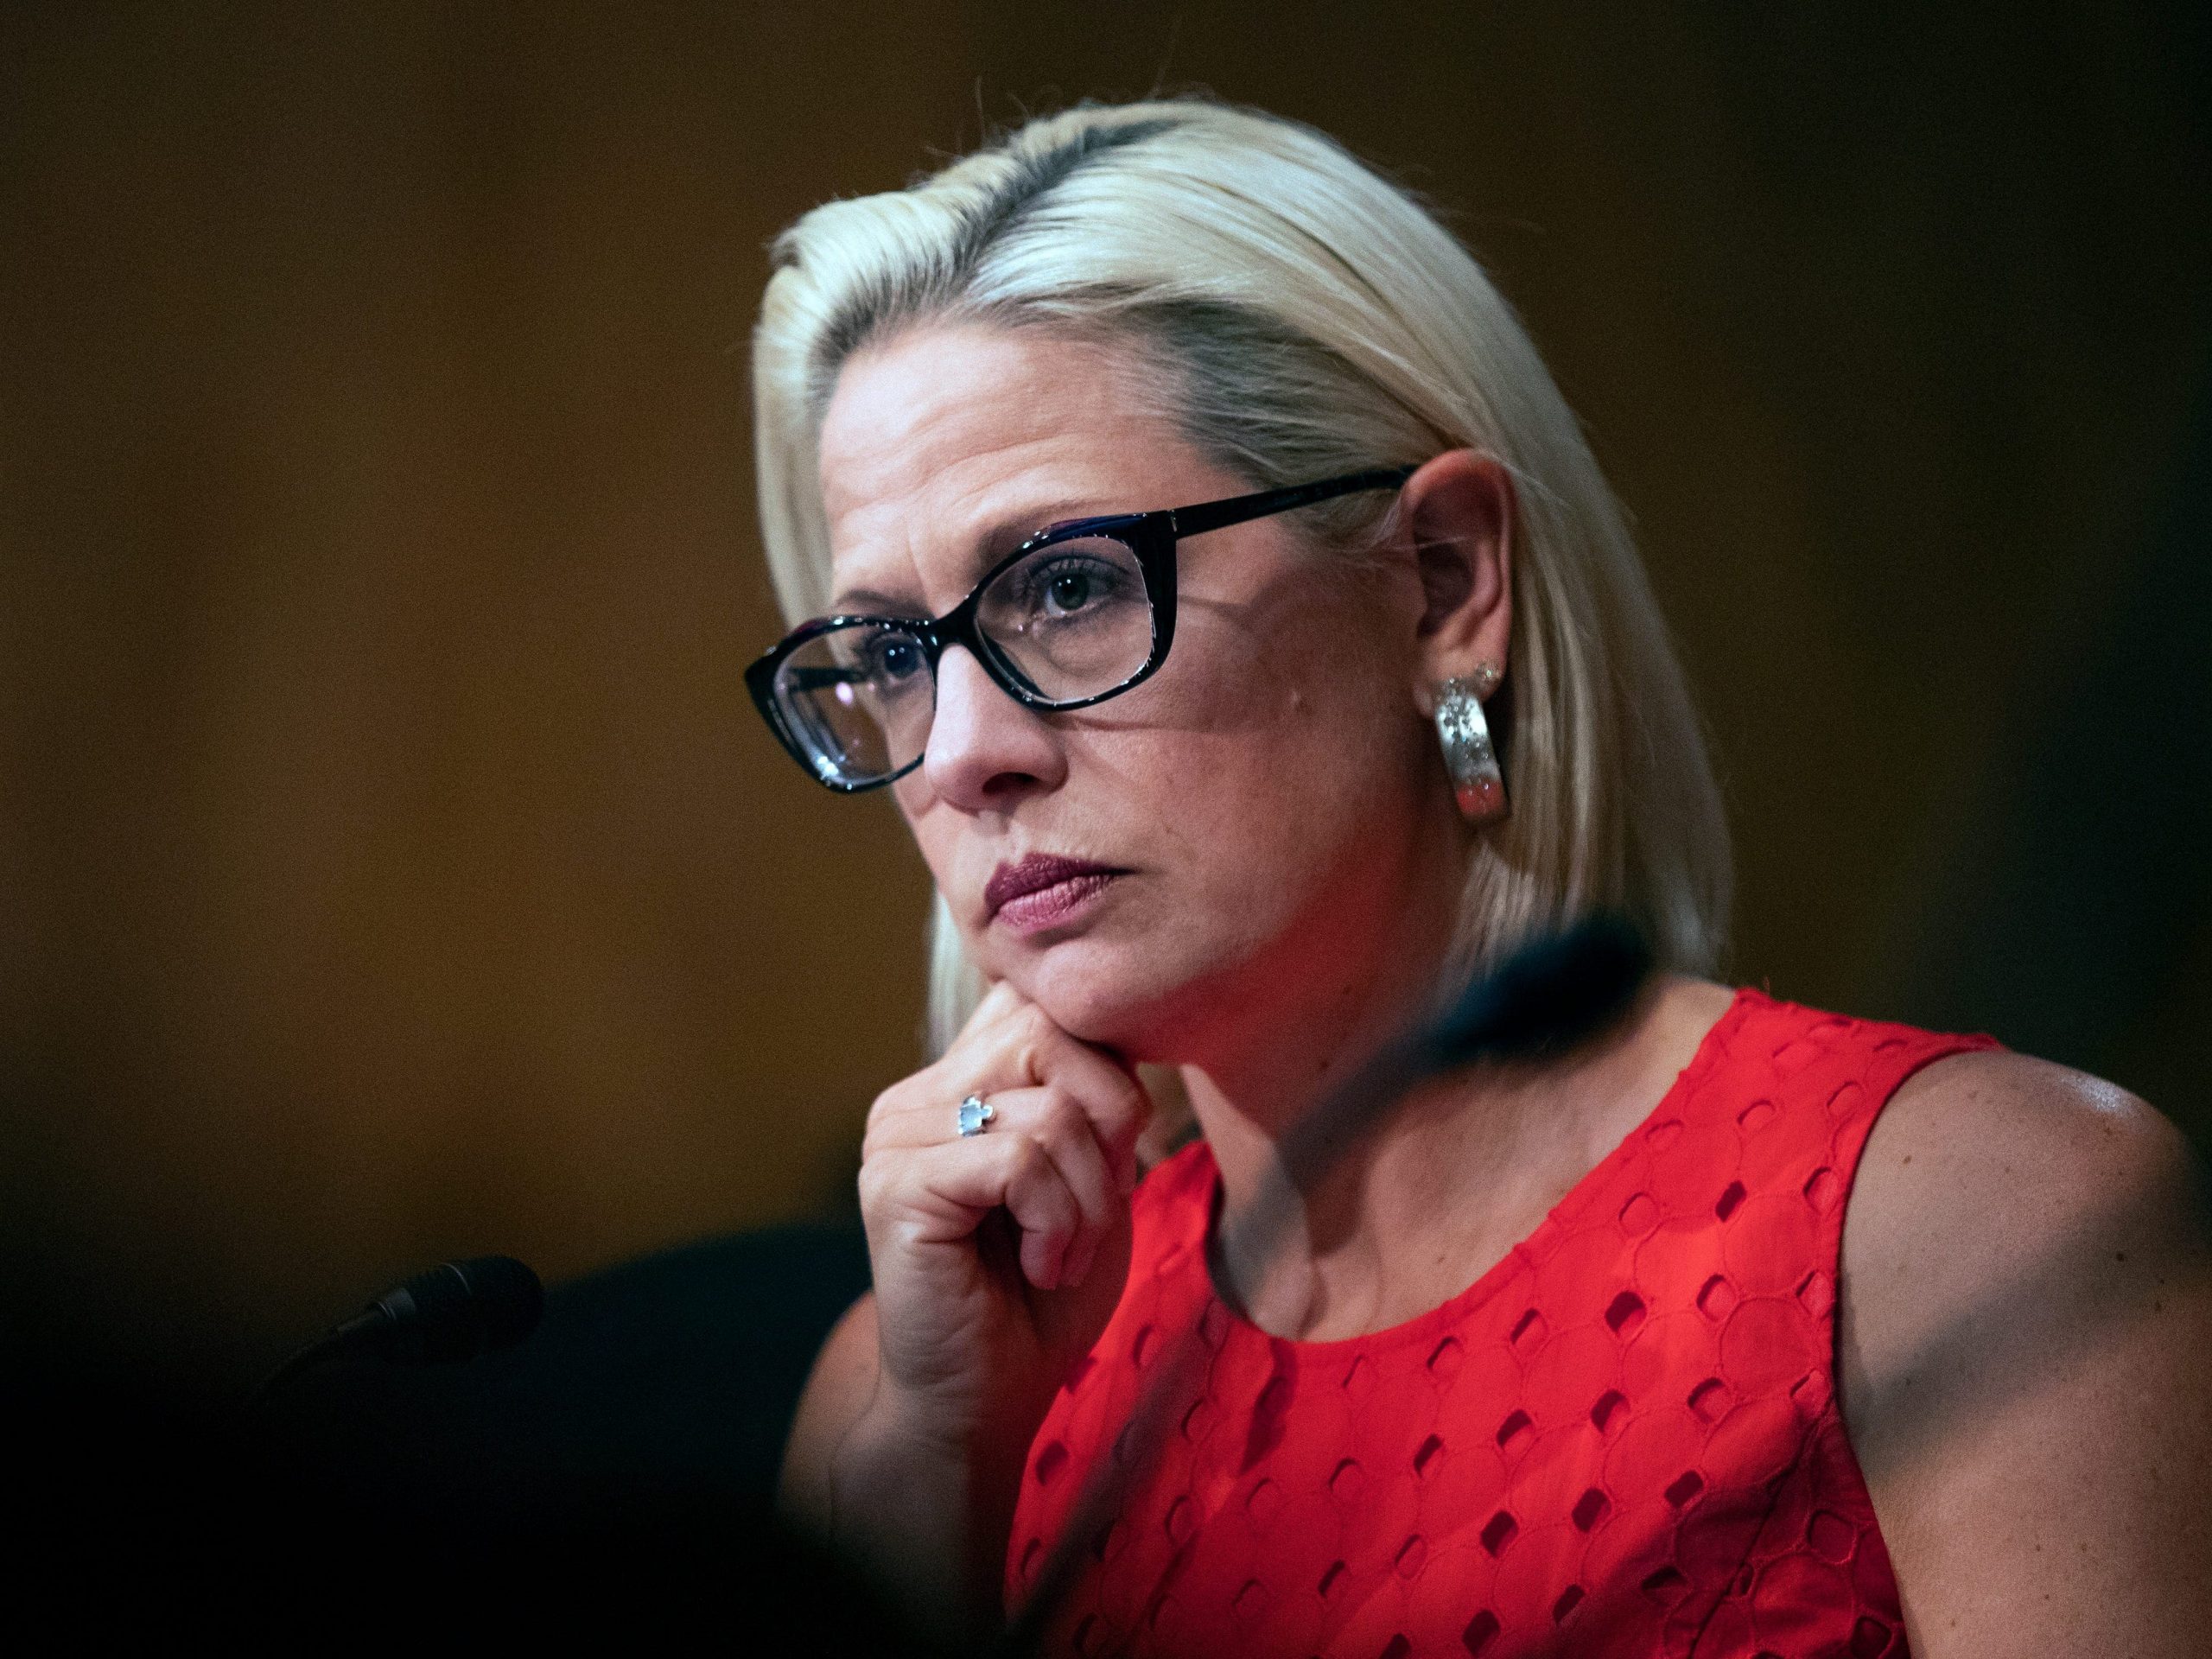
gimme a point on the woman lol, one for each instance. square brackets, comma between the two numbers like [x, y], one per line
[1220, 773]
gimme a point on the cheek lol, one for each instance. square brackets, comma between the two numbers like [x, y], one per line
[1305, 691]
[1267, 750]
[1275, 758]
[936, 834]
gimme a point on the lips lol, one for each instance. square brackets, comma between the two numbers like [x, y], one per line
[1043, 888]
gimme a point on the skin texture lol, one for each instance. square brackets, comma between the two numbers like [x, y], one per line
[2024, 1330]
[1291, 858]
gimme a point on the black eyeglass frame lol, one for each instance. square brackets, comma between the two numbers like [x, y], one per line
[1150, 537]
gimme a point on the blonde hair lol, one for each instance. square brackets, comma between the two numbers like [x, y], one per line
[1318, 320]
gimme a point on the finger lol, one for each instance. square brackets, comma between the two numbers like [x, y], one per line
[1045, 1209]
[1063, 1131]
[999, 1002]
[1031, 1047]
[1066, 1135]
[1024, 1048]
[986, 1056]
[1027, 1047]
[1109, 1093]
[1026, 1054]
[940, 1194]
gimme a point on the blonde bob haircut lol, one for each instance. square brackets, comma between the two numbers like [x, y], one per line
[1314, 320]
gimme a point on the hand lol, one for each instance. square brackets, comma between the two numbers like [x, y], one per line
[998, 1257]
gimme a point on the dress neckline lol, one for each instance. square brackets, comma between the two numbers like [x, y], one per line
[1495, 1277]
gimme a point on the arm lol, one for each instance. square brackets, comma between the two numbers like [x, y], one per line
[997, 1260]
[2024, 1339]
[923, 1513]
[836, 1396]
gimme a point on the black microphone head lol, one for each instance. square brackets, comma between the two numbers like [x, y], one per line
[1546, 997]
[459, 1310]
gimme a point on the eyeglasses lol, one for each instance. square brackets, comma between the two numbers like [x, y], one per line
[1077, 614]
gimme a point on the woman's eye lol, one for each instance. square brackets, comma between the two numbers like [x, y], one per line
[1070, 590]
[894, 659]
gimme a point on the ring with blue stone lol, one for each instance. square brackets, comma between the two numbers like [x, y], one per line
[976, 1114]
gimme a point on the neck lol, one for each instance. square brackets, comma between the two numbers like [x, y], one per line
[1305, 1018]
[1310, 1020]
[1445, 1181]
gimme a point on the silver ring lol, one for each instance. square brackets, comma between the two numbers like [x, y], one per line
[976, 1114]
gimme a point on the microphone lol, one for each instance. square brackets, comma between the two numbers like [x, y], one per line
[454, 1312]
[1553, 994]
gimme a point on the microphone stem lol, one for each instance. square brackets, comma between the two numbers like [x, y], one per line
[330, 1345]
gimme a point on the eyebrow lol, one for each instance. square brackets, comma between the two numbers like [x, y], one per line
[995, 543]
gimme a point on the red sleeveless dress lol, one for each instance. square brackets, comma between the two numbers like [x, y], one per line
[1622, 1439]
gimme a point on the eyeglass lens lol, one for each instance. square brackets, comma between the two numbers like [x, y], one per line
[1070, 621]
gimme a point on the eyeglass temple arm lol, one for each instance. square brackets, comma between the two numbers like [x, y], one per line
[1219, 515]
[820, 679]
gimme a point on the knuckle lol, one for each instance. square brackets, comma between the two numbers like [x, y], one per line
[1050, 1213]
[878, 1136]
[875, 1181]
[1035, 1041]
[889, 1102]
[998, 1003]
[1130, 1114]
[1062, 1124]
[1029, 1166]
[1130, 1095]
[1057, 1110]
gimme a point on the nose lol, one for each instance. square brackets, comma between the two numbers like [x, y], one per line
[985, 751]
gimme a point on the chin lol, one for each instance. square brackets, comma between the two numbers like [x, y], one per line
[1133, 1001]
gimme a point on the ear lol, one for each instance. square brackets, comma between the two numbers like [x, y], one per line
[1457, 517]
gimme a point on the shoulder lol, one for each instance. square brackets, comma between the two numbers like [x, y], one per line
[2025, 1304]
[2023, 1308]
[1993, 1164]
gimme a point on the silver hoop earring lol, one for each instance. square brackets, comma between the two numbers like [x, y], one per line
[1469, 756]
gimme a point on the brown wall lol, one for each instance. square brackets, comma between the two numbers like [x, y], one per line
[389, 863]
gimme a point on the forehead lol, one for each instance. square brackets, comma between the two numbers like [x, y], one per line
[951, 442]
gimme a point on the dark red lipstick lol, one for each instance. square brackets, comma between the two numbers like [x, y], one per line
[1043, 890]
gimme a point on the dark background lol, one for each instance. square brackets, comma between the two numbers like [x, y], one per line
[390, 866]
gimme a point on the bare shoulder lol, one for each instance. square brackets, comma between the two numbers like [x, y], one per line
[2052, 1109]
[1997, 1164]
[2026, 1302]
